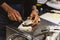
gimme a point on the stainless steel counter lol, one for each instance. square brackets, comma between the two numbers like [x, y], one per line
[42, 25]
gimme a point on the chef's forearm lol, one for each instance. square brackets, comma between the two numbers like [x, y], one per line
[6, 7]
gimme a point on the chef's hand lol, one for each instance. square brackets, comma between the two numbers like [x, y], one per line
[14, 15]
[34, 17]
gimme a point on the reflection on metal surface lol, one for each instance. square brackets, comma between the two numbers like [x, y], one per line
[18, 37]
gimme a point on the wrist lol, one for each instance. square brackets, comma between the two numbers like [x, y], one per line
[36, 10]
[10, 10]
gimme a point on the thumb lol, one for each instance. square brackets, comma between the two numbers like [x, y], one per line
[31, 16]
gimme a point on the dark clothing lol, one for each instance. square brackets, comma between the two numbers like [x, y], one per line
[23, 6]
[18, 1]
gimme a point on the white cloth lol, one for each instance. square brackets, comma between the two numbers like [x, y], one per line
[55, 5]
[41, 1]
